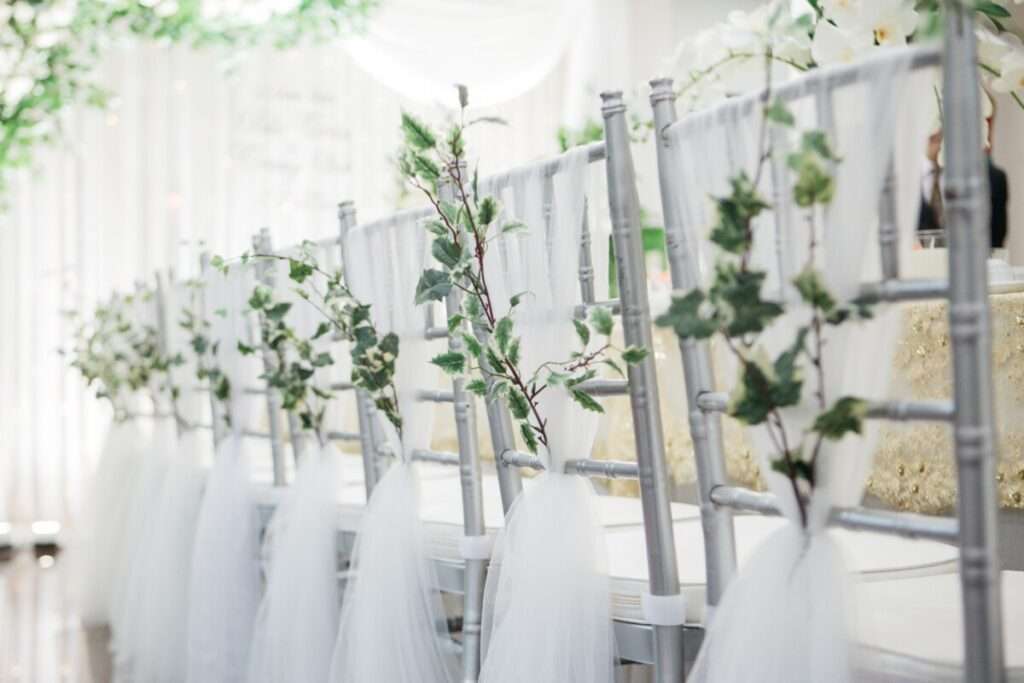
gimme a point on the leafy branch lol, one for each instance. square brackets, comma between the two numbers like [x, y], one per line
[463, 228]
[735, 310]
[205, 349]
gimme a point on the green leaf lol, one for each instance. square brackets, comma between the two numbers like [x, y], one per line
[634, 354]
[455, 321]
[602, 320]
[778, 113]
[529, 437]
[434, 285]
[813, 290]
[816, 141]
[417, 134]
[446, 252]
[503, 333]
[795, 468]
[513, 352]
[587, 401]
[472, 345]
[737, 295]
[425, 168]
[218, 263]
[518, 404]
[298, 271]
[245, 349]
[278, 311]
[436, 228]
[992, 9]
[452, 362]
[321, 329]
[844, 417]
[477, 386]
[684, 317]
[513, 227]
[322, 359]
[488, 210]
[614, 366]
[582, 331]
[732, 230]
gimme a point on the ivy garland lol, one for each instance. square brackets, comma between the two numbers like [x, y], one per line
[462, 231]
[49, 48]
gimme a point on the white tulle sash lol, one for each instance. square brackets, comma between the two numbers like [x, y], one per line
[548, 609]
[392, 620]
[298, 617]
[225, 583]
[783, 618]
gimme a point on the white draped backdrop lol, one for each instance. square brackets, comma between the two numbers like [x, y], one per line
[188, 155]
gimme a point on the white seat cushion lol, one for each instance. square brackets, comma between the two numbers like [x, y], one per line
[912, 629]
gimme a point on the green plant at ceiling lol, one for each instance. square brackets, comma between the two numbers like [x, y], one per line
[49, 49]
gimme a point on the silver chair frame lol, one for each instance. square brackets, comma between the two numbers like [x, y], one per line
[970, 411]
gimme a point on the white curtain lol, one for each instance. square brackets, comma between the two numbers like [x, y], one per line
[784, 617]
[542, 572]
[392, 613]
[225, 582]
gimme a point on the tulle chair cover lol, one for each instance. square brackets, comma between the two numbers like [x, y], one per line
[297, 618]
[99, 542]
[392, 620]
[225, 582]
[547, 611]
[785, 616]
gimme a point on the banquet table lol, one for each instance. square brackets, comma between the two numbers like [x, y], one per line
[913, 468]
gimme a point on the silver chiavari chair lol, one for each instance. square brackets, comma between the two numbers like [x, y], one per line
[969, 413]
[652, 634]
[466, 574]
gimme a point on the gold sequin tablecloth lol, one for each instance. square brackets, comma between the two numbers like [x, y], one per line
[913, 467]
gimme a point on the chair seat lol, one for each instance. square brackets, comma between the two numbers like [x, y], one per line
[912, 629]
[875, 557]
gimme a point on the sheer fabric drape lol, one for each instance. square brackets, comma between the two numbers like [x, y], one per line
[785, 617]
[225, 583]
[549, 564]
[392, 613]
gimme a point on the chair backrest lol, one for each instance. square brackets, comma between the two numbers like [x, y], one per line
[641, 385]
[970, 411]
[397, 245]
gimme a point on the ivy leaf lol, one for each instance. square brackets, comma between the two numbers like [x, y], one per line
[425, 168]
[436, 228]
[278, 311]
[417, 134]
[602, 320]
[452, 362]
[518, 404]
[845, 416]
[298, 271]
[477, 386]
[795, 468]
[513, 227]
[222, 389]
[488, 210]
[503, 333]
[513, 352]
[634, 354]
[991, 9]
[434, 285]
[446, 252]
[587, 401]
[739, 292]
[684, 317]
[816, 141]
[529, 438]
[245, 349]
[813, 291]
[614, 366]
[582, 331]
[736, 211]
[322, 359]
[778, 113]
[321, 329]
[455, 321]
[472, 345]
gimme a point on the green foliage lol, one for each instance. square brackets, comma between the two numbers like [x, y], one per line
[51, 49]
[736, 293]
[463, 228]
[844, 417]
[732, 231]
[205, 349]
[592, 131]
[685, 318]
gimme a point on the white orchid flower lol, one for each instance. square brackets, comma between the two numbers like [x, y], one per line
[890, 21]
[16, 88]
[24, 13]
[832, 45]
[1011, 73]
[846, 13]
